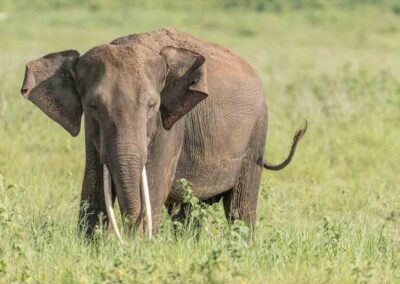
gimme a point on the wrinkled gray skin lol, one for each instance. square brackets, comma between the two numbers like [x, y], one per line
[185, 108]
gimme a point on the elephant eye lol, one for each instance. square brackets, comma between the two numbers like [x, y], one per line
[152, 106]
[93, 107]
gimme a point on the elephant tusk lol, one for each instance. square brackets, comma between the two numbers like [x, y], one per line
[146, 195]
[108, 200]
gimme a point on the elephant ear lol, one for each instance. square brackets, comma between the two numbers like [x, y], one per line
[49, 83]
[185, 84]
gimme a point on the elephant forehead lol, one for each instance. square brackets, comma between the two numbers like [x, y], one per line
[110, 62]
[125, 57]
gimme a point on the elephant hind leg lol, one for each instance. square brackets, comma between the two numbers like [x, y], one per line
[240, 203]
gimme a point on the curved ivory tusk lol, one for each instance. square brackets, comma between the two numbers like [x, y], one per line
[108, 200]
[146, 195]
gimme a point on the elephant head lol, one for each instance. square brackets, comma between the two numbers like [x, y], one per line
[125, 91]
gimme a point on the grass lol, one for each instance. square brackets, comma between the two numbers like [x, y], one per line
[332, 216]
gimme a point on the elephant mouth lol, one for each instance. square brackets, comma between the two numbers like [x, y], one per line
[109, 204]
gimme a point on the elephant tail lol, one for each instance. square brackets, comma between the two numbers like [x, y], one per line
[297, 137]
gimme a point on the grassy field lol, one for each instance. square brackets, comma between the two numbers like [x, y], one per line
[332, 216]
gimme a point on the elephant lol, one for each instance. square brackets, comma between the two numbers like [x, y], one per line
[163, 104]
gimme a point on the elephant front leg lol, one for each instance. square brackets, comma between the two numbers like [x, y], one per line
[161, 178]
[92, 212]
[161, 167]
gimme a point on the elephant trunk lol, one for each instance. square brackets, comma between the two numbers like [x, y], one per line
[109, 204]
[126, 164]
[124, 152]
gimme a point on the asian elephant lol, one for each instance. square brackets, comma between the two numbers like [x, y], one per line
[166, 101]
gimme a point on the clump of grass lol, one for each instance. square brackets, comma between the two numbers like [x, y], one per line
[205, 219]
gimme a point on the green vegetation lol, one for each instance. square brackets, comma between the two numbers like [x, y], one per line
[256, 5]
[332, 216]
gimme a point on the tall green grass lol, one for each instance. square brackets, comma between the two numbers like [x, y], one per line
[332, 216]
[255, 5]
